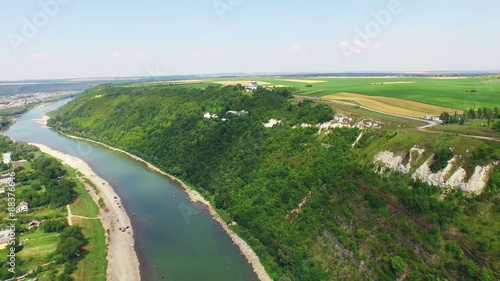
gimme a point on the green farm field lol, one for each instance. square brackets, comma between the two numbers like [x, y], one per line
[452, 92]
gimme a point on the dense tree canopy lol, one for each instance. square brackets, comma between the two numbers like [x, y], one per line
[258, 175]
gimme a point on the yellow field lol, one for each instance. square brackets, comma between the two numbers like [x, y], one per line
[382, 83]
[303, 81]
[392, 105]
[244, 83]
[176, 82]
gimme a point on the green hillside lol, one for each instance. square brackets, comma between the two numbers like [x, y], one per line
[354, 224]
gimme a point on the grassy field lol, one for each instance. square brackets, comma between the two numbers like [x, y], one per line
[358, 113]
[38, 250]
[90, 183]
[464, 93]
[466, 130]
[94, 263]
[452, 93]
[392, 105]
[26, 165]
[84, 205]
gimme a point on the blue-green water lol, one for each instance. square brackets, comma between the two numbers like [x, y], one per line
[175, 238]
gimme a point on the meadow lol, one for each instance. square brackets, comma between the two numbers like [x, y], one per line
[451, 92]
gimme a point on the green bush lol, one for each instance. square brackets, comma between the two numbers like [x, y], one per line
[397, 264]
[441, 158]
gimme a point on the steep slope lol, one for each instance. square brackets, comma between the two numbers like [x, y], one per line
[302, 197]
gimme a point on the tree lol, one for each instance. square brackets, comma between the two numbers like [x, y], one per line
[53, 225]
[48, 168]
[472, 113]
[489, 115]
[496, 126]
[71, 241]
[445, 117]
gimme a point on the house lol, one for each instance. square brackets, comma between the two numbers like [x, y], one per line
[208, 115]
[23, 207]
[252, 86]
[34, 223]
[435, 119]
[243, 112]
[6, 158]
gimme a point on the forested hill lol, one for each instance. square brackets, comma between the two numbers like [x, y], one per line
[352, 225]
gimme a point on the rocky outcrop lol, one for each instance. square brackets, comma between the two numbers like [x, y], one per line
[343, 121]
[396, 162]
[451, 176]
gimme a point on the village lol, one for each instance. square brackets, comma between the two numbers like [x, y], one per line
[19, 100]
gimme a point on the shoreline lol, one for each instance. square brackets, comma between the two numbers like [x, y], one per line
[194, 196]
[123, 263]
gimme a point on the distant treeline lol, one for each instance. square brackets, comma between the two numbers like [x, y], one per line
[484, 113]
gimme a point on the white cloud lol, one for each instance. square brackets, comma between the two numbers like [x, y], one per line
[196, 55]
[360, 46]
[116, 54]
[297, 47]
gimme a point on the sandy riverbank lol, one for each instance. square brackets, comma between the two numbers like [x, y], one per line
[123, 264]
[194, 196]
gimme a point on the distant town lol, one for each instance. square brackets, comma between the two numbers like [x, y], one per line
[18, 100]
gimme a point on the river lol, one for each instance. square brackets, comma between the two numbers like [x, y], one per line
[175, 238]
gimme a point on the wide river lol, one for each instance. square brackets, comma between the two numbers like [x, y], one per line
[175, 238]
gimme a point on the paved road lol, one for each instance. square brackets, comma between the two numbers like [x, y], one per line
[422, 128]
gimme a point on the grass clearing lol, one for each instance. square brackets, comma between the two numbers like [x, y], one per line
[94, 263]
[84, 205]
[466, 130]
[89, 182]
[392, 105]
[71, 172]
[38, 251]
[25, 164]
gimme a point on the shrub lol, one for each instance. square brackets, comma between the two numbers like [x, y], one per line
[397, 264]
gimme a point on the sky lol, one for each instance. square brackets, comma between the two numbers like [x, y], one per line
[52, 39]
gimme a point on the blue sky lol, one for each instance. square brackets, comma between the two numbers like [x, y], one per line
[47, 39]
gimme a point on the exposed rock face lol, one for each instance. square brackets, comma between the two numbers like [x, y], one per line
[478, 180]
[389, 160]
[343, 121]
[476, 183]
[395, 162]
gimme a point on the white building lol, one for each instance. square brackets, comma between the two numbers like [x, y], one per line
[209, 116]
[243, 112]
[23, 207]
[252, 86]
[6, 158]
